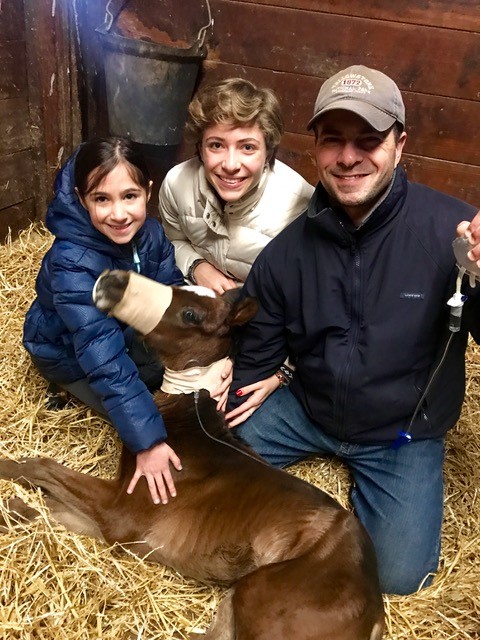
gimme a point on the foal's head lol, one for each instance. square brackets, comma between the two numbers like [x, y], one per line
[187, 326]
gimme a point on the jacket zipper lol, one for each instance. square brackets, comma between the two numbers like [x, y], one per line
[343, 383]
[136, 257]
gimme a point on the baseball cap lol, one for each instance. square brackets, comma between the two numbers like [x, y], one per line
[367, 92]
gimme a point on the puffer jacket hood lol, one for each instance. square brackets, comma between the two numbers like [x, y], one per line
[66, 217]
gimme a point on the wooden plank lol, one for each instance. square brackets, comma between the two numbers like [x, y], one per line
[320, 44]
[459, 180]
[12, 25]
[51, 98]
[92, 90]
[15, 218]
[452, 14]
[16, 178]
[435, 125]
[13, 76]
[14, 126]
[41, 46]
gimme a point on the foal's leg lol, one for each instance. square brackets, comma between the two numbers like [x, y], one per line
[222, 627]
[75, 499]
[18, 513]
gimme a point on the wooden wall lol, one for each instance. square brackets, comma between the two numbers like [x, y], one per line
[431, 49]
[39, 113]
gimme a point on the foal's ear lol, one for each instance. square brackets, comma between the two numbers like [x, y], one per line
[244, 311]
[243, 308]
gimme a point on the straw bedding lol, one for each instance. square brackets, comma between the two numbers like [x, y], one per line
[54, 584]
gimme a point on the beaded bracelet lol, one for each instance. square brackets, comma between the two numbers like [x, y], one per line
[284, 375]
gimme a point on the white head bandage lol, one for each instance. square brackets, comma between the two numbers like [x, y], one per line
[143, 304]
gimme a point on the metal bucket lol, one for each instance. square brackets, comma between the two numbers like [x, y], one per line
[149, 85]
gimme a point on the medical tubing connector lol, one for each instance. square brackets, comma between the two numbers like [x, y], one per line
[456, 303]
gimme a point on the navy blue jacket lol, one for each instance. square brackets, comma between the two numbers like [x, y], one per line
[69, 338]
[363, 314]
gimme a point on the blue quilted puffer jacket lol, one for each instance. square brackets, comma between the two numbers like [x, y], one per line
[68, 338]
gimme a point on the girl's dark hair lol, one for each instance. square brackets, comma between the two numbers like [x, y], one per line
[95, 160]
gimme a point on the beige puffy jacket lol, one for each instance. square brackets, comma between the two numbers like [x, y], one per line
[232, 237]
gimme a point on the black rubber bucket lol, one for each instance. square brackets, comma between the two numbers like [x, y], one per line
[149, 86]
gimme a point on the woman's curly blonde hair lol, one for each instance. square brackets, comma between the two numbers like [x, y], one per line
[236, 101]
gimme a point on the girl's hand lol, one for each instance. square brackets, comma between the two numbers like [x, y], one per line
[221, 392]
[154, 464]
[206, 275]
[259, 393]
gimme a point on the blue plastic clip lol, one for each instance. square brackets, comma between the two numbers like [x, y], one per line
[403, 438]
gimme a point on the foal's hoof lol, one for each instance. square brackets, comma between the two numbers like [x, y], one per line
[109, 289]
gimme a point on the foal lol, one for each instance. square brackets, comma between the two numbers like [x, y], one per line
[300, 566]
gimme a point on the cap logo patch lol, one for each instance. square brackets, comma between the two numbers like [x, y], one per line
[352, 83]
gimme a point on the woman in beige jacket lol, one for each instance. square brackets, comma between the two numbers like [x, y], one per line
[222, 207]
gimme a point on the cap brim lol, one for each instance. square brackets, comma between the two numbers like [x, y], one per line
[376, 118]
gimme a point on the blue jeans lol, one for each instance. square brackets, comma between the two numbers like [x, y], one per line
[396, 493]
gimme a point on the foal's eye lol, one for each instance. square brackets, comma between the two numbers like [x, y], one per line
[190, 317]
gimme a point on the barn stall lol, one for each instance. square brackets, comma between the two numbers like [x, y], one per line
[53, 94]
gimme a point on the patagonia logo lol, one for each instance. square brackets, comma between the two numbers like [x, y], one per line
[410, 295]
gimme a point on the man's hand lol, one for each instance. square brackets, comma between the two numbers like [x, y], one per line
[471, 231]
[221, 392]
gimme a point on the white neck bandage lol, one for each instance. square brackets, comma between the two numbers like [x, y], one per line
[143, 304]
[194, 379]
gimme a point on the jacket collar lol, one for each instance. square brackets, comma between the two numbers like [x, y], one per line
[334, 223]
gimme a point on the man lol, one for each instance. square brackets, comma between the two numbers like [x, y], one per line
[355, 293]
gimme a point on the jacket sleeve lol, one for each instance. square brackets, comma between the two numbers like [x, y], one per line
[171, 216]
[100, 350]
[263, 345]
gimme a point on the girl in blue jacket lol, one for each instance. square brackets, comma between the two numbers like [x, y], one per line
[99, 220]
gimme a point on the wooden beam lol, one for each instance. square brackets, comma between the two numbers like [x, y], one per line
[438, 61]
[451, 14]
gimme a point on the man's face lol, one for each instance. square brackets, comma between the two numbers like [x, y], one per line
[355, 162]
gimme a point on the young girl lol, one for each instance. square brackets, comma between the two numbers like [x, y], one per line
[99, 221]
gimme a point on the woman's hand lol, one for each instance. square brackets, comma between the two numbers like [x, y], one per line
[154, 464]
[259, 393]
[207, 275]
[221, 392]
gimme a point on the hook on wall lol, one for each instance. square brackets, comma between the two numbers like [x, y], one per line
[203, 31]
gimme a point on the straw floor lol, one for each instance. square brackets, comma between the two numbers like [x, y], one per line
[56, 585]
